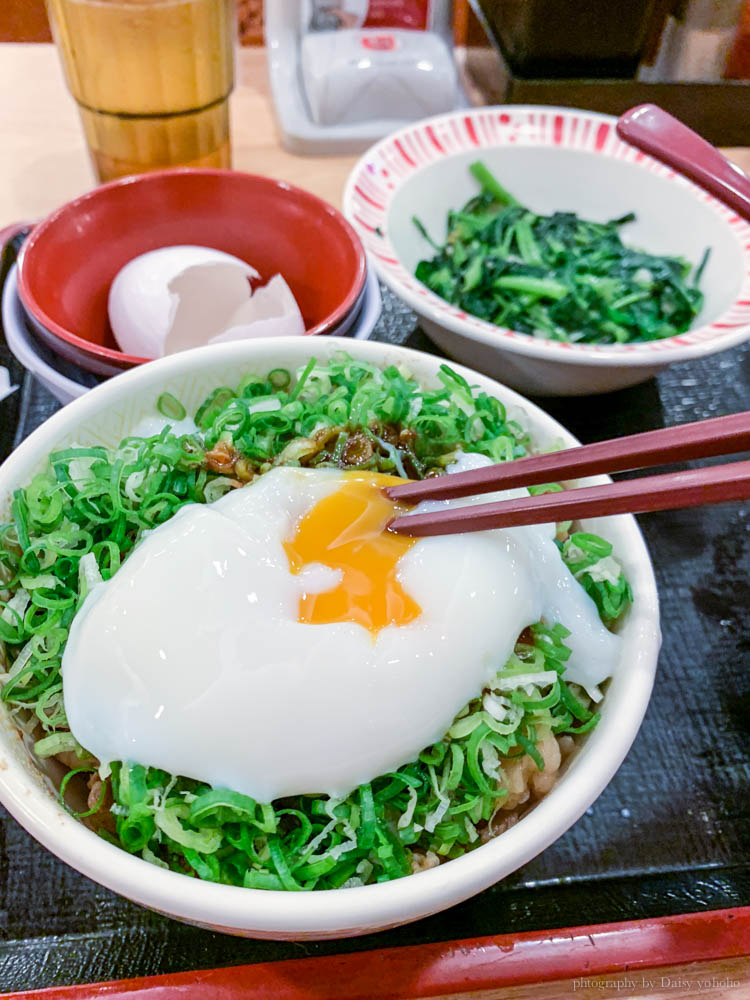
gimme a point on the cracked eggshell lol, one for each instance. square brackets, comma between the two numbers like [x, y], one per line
[177, 297]
[271, 312]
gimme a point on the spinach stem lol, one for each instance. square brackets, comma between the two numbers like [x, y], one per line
[491, 184]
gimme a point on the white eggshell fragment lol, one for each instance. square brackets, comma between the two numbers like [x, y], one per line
[271, 312]
[180, 297]
[143, 307]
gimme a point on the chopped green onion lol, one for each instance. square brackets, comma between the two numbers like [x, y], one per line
[169, 406]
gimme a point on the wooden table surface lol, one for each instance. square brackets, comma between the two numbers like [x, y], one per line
[43, 163]
[43, 159]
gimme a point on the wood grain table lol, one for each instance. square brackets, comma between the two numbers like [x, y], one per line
[43, 163]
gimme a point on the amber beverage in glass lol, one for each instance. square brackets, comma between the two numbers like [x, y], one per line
[151, 78]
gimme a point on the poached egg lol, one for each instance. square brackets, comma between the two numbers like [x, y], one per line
[280, 641]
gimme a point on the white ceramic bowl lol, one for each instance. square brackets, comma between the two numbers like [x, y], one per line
[36, 357]
[550, 159]
[109, 412]
[65, 381]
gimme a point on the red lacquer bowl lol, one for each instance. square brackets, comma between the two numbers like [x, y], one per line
[68, 262]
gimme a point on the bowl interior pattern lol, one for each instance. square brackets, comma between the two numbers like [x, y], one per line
[552, 160]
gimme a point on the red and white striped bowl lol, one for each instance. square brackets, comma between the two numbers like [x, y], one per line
[550, 159]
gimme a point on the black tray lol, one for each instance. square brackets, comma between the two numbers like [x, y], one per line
[671, 833]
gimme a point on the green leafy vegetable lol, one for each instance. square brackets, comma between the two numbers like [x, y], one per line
[558, 276]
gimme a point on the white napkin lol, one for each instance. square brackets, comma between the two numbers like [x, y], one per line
[5, 387]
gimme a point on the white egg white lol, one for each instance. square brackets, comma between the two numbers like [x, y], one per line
[594, 650]
[191, 658]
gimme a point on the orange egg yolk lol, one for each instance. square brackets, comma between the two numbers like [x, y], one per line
[347, 531]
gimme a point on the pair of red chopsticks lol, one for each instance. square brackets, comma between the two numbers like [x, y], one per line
[703, 439]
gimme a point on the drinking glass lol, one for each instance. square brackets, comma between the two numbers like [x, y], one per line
[151, 78]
